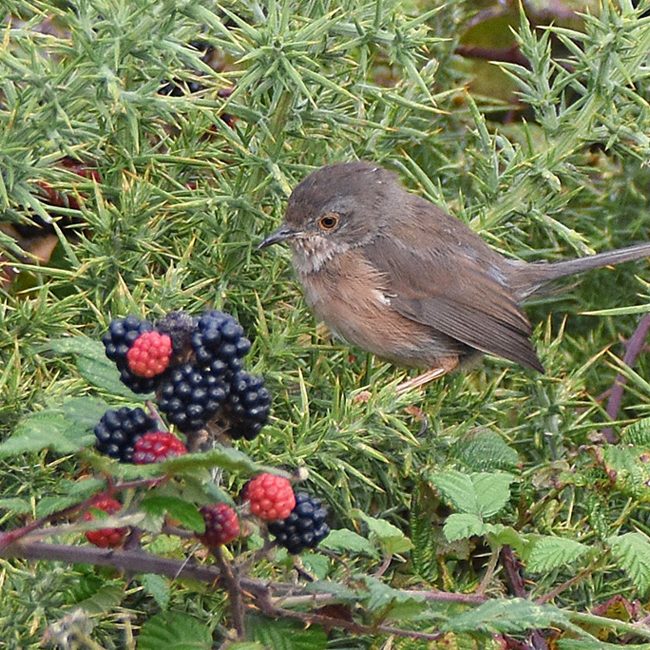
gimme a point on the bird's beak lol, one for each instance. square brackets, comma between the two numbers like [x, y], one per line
[281, 234]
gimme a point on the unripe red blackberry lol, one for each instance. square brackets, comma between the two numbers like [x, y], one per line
[270, 496]
[149, 355]
[157, 446]
[191, 396]
[221, 525]
[248, 406]
[105, 537]
[118, 430]
[122, 334]
[304, 528]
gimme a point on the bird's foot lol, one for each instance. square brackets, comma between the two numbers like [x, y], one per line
[446, 366]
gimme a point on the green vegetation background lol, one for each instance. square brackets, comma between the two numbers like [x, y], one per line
[556, 169]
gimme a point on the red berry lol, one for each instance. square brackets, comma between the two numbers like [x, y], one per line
[221, 524]
[105, 537]
[150, 354]
[271, 497]
[157, 446]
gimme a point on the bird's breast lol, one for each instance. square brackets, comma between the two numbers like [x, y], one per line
[353, 299]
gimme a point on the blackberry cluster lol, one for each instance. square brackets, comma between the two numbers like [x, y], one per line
[304, 528]
[192, 396]
[198, 368]
[248, 406]
[122, 334]
[118, 431]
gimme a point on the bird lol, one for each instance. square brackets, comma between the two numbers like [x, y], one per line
[393, 274]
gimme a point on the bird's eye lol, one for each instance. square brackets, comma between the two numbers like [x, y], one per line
[328, 221]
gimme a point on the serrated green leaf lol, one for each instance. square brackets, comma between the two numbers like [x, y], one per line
[484, 450]
[84, 411]
[341, 592]
[106, 598]
[456, 489]
[389, 537]
[174, 630]
[317, 564]
[507, 616]
[492, 491]
[285, 635]
[391, 603]
[92, 363]
[82, 346]
[66, 428]
[632, 551]
[637, 434]
[423, 535]
[461, 525]
[629, 468]
[228, 458]
[500, 535]
[157, 587]
[482, 493]
[15, 505]
[347, 540]
[548, 553]
[46, 430]
[187, 513]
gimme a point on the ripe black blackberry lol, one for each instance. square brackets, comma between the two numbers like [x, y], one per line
[118, 430]
[191, 396]
[122, 333]
[248, 406]
[220, 336]
[304, 528]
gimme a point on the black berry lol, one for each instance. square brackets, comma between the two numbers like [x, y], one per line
[220, 336]
[248, 406]
[122, 333]
[119, 429]
[304, 528]
[191, 396]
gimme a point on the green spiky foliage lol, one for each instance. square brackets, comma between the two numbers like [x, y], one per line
[170, 219]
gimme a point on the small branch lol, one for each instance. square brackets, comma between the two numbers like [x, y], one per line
[234, 591]
[506, 54]
[269, 609]
[388, 558]
[512, 568]
[153, 411]
[632, 350]
[489, 572]
[551, 595]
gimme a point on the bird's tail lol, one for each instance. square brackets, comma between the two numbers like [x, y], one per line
[530, 278]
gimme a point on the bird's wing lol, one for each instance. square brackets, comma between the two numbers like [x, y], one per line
[452, 283]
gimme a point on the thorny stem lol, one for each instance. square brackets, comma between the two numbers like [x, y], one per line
[632, 350]
[263, 592]
[269, 609]
[512, 569]
[567, 584]
[231, 579]
[489, 572]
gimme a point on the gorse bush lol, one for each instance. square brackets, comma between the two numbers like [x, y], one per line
[146, 148]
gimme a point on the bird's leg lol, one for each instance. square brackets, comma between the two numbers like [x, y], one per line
[444, 366]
